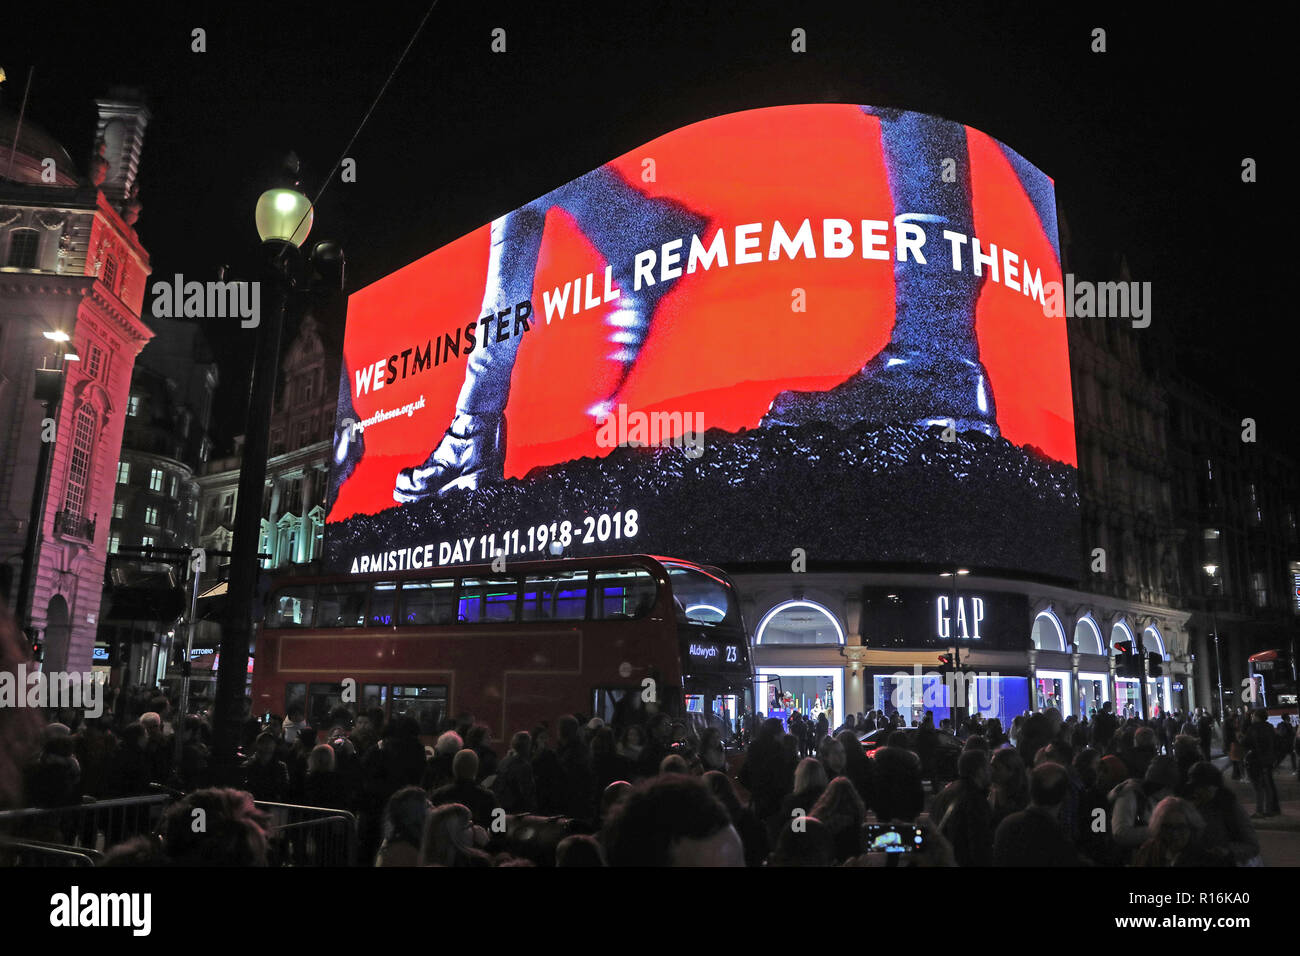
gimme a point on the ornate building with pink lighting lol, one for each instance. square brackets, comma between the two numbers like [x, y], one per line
[72, 283]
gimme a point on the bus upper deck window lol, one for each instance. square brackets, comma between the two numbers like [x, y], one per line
[341, 605]
[561, 596]
[701, 598]
[383, 604]
[292, 606]
[428, 602]
[623, 594]
[488, 600]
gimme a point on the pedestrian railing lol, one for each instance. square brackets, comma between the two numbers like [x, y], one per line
[310, 836]
[79, 835]
[29, 853]
[84, 827]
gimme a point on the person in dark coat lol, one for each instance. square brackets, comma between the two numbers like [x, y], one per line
[1104, 727]
[962, 812]
[464, 790]
[1033, 837]
[323, 786]
[477, 741]
[753, 835]
[514, 786]
[857, 767]
[131, 770]
[768, 771]
[1205, 730]
[579, 794]
[1260, 759]
[265, 776]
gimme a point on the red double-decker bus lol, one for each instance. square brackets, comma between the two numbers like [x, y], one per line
[1272, 675]
[616, 637]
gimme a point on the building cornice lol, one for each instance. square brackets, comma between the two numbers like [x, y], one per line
[111, 307]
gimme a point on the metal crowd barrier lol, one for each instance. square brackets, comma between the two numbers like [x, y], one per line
[86, 828]
[310, 836]
[78, 835]
[29, 853]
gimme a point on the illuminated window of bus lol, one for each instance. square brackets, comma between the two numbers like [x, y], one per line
[292, 606]
[555, 597]
[383, 604]
[699, 597]
[374, 696]
[488, 600]
[623, 594]
[341, 605]
[427, 703]
[428, 602]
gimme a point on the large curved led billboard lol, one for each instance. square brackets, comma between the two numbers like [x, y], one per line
[807, 327]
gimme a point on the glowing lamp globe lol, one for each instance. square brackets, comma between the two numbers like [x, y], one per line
[284, 215]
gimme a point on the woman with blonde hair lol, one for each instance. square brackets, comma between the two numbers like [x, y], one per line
[809, 785]
[323, 787]
[449, 838]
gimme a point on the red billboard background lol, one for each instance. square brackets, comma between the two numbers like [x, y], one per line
[725, 341]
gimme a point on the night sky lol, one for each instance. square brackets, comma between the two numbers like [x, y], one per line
[1145, 141]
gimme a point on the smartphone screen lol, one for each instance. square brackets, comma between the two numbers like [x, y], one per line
[886, 838]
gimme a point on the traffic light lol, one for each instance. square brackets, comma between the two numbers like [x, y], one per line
[945, 660]
[1127, 663]
[1153, 664]
[34, 643]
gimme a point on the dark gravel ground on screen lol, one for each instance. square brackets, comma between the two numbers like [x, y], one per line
[882, 494]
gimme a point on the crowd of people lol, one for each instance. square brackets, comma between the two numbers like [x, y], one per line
[1045, 791]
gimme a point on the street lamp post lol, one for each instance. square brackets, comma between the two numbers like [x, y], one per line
[284, 217]
[1213, 570]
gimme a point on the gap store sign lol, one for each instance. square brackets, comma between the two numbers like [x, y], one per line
[924, 617]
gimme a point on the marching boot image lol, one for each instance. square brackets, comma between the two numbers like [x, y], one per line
[930, 372]
[619, 221]
[471, 454]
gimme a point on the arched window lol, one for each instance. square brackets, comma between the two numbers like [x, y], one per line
[83, 441]
[1048, 635]
[799, 622]
[1087, 636]
[1153, 640]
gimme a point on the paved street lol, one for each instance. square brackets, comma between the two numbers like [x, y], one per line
[1279, 836]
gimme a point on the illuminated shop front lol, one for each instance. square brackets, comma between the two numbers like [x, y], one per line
[853, 643]
[800, 667]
